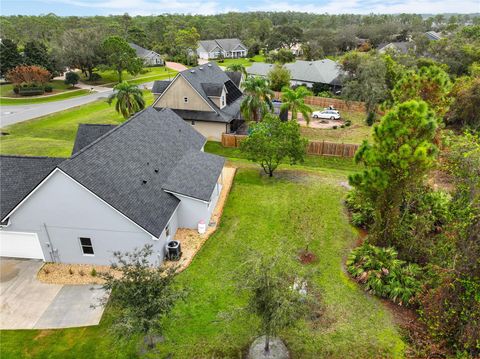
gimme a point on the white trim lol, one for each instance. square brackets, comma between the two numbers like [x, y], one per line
[185, 196]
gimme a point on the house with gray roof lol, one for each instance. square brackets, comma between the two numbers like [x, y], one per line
[401, 47]
[205, 96]
[433, 35]
[123, 187]
[149, 57]
[305, 73]
[228, 48]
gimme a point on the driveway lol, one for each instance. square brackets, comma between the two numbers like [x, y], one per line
[26, 303]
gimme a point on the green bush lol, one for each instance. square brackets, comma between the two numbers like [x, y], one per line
[370, 118]
[384, 275]
[95, 77]
[361, 209]
[342, 126]
[48, 88]
[348, 123]
[335, 127]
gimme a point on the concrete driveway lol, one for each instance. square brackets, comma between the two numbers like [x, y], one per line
[26, 303]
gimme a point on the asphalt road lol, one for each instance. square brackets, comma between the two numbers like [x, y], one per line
[19, 113]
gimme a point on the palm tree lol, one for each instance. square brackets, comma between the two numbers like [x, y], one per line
[129, 99]
[294, 101]
[237, 67]
[257, 101]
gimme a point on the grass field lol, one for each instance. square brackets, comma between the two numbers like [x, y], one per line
[244, 61]
[148, 74]
[355, 133]
[6, 90]
[53, 135]
[353, 324]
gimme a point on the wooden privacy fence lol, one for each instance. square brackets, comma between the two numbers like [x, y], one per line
[320, 148]
[335, 102]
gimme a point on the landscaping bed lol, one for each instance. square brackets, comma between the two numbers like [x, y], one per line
[60, 273]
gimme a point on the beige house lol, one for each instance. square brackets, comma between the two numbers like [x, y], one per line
[205, 96]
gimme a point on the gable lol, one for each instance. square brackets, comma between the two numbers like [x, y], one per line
[173, 97]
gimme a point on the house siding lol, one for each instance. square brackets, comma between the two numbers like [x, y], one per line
[174, 96]
[211, 130]
[61, 211]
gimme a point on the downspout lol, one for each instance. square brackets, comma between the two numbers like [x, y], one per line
[52, 250]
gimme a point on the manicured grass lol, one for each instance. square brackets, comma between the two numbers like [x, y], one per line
[28, 100]
[259, 216]
[148, 74]
[6, 90]
[244, 61]
[53, 135]
[355, 133]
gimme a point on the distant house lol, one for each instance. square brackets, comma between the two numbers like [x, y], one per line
[149, 57]
[228, 48]
[433, 35]
[204, 96]
[123, 187]
[401, 47]
[304, 72]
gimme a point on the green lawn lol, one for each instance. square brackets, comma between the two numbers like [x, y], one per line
[244, 61]
[28, 100]
[148, 74]
[354, 324]
[53, 135]
[355, 133]
[6, 90]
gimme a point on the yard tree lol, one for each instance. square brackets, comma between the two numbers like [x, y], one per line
[294, 101]
[274, 294]
[257, 98]
[141, 296]
[36, 53]
[137, 35]
[9, 56]
[121, 57]
[129, 99]
[281, 56]
[396, 163]
[29, 75]
[186, 42]
[464, 110]
[82, 49]
[430, 84]
[365, 79]
[278, 77]
[71, 78]
[273, 141]
[237, 67]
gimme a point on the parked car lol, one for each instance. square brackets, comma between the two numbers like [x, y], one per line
[327, 114]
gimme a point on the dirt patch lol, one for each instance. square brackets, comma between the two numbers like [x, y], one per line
[8, 271]
[191, 241]
[306, 257]
[60, 273]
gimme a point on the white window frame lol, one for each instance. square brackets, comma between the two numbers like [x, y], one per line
[91, 245]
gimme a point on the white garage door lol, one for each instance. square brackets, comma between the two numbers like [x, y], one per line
[20, 245]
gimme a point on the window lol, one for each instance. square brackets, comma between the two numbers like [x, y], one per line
[223, 101]
[167, 231]
[193, 123]
[87, 247]
[185, 99]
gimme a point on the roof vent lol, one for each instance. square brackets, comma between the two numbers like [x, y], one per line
[156, 170]
[209, 65]
[200, 68]
[310, 63]
[192, 71]
[144, 182]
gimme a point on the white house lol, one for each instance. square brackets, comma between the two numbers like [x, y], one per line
[149, 57]
[228, 48]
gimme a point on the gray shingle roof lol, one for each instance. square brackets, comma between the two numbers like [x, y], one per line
[87, 133]
[400, 46]
[224, 44]
[128, 166]
[19, 176]
[323, 71]
[433, 35]
[140, 51]
[159, 86]
[203, 79]
[235, 76]
[213, 89]
[195, 175]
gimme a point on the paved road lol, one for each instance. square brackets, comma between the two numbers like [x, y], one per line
[18, 113]
[26, 303]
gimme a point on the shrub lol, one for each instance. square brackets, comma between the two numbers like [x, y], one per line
[93, 273]
[16, 89]
[348, 123]
[48, 88]
[29, 75]
[70, 271]
[335, 127]
[342, 126]
[384, 275]
[46, 271]
[361, 208]
[81, 272]
[370, 118]
[32, 90]
[95, 77]
[71, 78]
